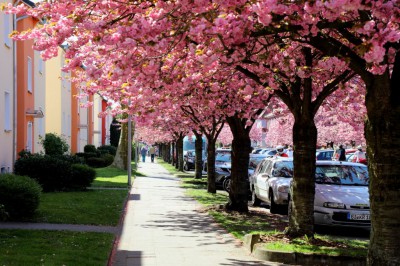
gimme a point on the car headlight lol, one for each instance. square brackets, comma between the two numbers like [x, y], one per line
[190, 160]
[283, 189]
[334, 205]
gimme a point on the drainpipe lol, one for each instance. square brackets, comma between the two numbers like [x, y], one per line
[14, 45]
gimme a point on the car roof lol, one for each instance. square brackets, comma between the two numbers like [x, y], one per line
[321, 162]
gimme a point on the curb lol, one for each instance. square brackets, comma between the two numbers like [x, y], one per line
[111, 256]
[251, 243]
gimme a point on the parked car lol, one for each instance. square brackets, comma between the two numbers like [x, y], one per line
[189, 160]
[341, 195]
[270, 183]
[222, 160]
[324, 154]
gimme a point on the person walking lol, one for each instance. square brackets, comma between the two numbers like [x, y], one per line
[342, 153]
[143, 151]
[359, 156]
[152, 153]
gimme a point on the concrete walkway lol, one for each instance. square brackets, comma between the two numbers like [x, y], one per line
[163, 227]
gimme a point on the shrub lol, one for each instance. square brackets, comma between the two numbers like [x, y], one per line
[96, 162]
[54, 145]
[72, 159]
[108, 148]
[82, 176]
[20, 195]
[108, 159]
[51, 173]
[89, 148]
[3, 213]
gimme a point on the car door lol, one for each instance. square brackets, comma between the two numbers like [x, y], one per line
[262, 181]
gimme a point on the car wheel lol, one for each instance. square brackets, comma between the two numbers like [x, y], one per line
[254, 200]
[273, 207]
[226, 185]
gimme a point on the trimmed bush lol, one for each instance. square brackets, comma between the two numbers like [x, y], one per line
[95, 162]
[89, 148]
[72, 159]
[107, 148]
[108, 159]
[82, 176]
[54, 145]
[51, 173]
[19, 195]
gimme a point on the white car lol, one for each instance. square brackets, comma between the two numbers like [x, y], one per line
[341, 194]
[270, 183]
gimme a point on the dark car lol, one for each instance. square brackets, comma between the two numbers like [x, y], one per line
[324, 155]
[189, 160]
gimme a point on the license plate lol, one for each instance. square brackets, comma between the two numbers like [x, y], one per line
[362, 217]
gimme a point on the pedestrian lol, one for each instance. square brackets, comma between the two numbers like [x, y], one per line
[342, 153]
[143, 151]
[359, 155]
[280, 152]
[152, 153]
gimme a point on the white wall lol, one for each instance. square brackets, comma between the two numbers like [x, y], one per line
[6, 94]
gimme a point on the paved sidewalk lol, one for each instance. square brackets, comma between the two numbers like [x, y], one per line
[163, 227]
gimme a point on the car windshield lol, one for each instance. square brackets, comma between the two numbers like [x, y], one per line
[283, 169]
[225, 157]
[254, 162]
[347, 175]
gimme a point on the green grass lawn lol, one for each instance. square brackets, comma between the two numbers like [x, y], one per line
[40, 247]
[257, 221]
[113, 177]
[94, 207]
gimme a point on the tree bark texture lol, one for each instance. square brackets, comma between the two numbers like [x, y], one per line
[179, 152]
[199, 155]
[120, 159]
[301, 219]
[211, 188]
[382, 132]
[173, 158]
[241, 148]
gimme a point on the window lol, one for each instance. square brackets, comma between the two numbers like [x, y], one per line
[7, 111]
[29, 137]
[30, 77]
[40, 65]
[7, 30]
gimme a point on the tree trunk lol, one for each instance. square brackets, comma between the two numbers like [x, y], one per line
[241, 148]
[301, 220]
[168, 152]
[199, 155]
[179, 153]
[382, 132]
[174, 151]
[211, 188]
[120, 159]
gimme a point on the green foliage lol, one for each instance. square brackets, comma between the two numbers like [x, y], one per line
[95, 162]
[107, 149]
[54, 145]
[3, 213]
[82, 176]
[51, 173]
[108, 159]
[24, 153]
[115, 132]
[89, 148]
[19, 196]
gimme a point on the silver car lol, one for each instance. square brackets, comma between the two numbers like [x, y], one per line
[341, 194]
[270, 183]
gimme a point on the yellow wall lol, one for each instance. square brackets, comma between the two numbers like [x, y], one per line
[53, 115]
